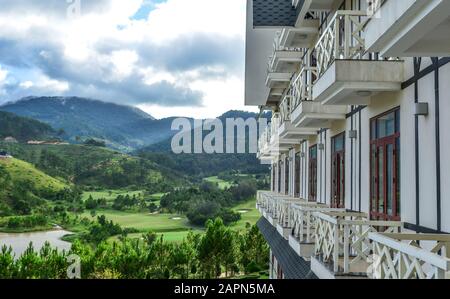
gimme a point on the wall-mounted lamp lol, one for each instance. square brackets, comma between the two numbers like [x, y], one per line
[321, 146]
[421, 109]
[352, 134]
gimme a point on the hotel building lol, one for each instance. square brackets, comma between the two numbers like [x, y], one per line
[359, 138]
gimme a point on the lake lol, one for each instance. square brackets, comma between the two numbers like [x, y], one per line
[20, 242]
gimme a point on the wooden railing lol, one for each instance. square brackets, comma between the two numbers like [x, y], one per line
[304, 220]
[402, 256]
[302, 86]
[275, 125]
[264, 140]
[285, 108]
[341, 39]
[286, 212]
[342, 238]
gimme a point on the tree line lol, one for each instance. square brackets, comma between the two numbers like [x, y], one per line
[219, 252]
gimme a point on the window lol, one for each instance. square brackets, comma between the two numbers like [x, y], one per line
[313, 173]
[286, 176]
[280, 164]
[338, 171]
[274, 174]
[297, 175]
[385, 166]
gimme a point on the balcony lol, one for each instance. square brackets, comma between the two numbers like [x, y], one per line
[342, 246]
[403, 256]
[268, 203]
[281, 143]
[284, 59]
[302, 237]
[285, 212]
[300, 37]
[264, 144]
[309, 7]
[345, 77]
[306, 113]
[287, 130]
[409, 28]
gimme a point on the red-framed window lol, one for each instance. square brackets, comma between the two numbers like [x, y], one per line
[286, 175]
[297, 175]
[338, 171]
[385, 166]
[313, 173]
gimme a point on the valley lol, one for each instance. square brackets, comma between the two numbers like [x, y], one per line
[94, 195]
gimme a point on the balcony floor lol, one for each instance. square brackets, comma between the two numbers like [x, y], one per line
[353, 82]
[311, 114]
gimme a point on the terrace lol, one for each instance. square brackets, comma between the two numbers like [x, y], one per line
[347, 75]
[342, 245]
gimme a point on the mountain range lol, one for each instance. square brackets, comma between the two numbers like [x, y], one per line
[76, 119]
[122, 127]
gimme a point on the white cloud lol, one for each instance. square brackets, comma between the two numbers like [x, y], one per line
[176, 18]
[3, 75]
[184, 46]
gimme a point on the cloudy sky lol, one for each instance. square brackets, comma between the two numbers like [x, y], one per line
[167, 57]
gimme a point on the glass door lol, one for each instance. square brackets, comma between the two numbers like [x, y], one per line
[297, 175]
[280, 163]
[385, 167]
[286, 176]
[338, 171]
[313, 173]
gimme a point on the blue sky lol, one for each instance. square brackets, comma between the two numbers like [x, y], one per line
[167, 57]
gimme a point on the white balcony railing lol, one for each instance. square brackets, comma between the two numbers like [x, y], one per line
[302, 86]
[341, 39]
[342, 239]
[285, 108]
[264, 140]
[304, 220]
[275, 126]
[402, 256]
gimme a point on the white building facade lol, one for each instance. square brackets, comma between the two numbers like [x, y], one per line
[360, 95]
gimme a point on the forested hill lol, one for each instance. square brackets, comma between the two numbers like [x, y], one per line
[24, 129]
[202, 165]
[122, 127]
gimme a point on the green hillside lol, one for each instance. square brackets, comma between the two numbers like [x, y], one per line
[94, 167]
[24, 188]
[23, 129]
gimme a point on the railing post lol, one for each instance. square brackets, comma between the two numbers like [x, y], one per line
[336, 41]
[346, 248]
[347, 37]
[336, 248]
[401, 266]
[308, 227]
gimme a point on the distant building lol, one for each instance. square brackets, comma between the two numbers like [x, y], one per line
[4, 155]
[10, 140]
[38, 142]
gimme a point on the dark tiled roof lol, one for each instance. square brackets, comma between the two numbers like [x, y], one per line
[275, 13]
[294, 267]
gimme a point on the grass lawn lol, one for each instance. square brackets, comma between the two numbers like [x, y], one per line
[145, 222]
[249, 213]
[222, 184]
[109, 195]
